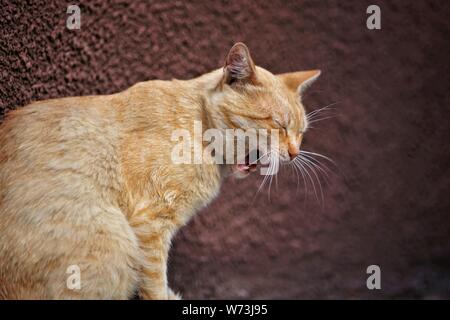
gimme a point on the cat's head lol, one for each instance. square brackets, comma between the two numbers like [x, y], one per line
[252, 97]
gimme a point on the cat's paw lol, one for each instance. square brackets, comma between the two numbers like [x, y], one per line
[173, 296]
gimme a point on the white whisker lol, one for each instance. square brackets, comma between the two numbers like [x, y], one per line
[318, 154]
[320, 119]
[317, 111]
[274, 169]
[316, 163]
[300, 168]
[309, 176]
[317, 178]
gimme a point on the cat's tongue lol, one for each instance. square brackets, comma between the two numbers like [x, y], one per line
[242, 168]
[246, 168]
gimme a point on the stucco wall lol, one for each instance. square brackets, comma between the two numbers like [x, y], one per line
[387, 204]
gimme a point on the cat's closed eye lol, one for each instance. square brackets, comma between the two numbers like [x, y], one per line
[281, 127]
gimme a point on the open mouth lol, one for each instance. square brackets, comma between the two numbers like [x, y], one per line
[251, 162]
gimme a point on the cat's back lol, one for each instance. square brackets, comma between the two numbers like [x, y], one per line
[52, 145]
[46, 120]
[59, 182]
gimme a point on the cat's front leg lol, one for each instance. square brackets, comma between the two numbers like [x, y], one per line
[154, 238]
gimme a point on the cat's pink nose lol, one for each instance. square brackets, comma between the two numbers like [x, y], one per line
[293, 154]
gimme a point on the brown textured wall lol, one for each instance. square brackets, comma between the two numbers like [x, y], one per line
[388, 204]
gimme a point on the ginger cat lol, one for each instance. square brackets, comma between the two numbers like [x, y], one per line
[89, 182]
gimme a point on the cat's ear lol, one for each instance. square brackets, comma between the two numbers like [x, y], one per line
[239, 66]
[300, 81]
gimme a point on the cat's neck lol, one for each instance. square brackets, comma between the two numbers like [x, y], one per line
[179, 101]
[210, 97]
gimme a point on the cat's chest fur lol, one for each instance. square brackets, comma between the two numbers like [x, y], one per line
[176, 193]
[156, 183]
